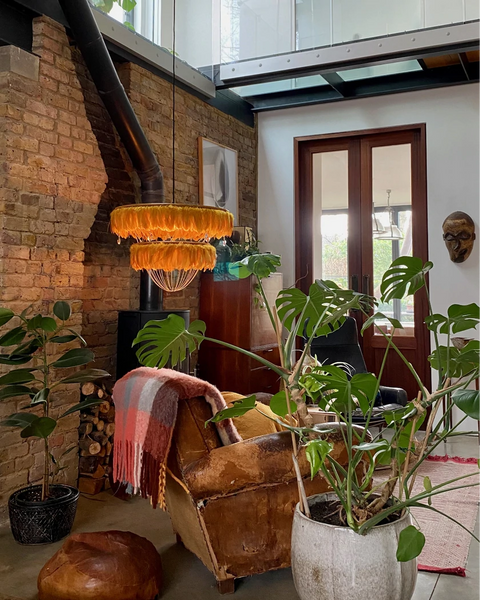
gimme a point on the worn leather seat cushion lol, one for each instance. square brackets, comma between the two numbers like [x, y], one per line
[106, 565]
[253, 423]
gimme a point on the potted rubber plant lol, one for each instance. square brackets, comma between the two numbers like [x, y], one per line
[43, 513]
[372, 532]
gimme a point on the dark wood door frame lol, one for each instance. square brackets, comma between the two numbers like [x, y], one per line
[359, 185]
[304, 149]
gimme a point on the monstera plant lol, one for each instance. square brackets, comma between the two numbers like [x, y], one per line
[38, 367]
[360, 503]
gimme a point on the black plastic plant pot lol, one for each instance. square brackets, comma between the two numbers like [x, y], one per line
[34, 521]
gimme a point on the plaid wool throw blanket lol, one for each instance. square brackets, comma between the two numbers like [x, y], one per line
[146, 402]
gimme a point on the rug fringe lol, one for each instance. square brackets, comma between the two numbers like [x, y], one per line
[457, 459]
[460, 571]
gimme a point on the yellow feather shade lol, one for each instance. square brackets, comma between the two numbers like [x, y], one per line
[172, 256]
[171, 221]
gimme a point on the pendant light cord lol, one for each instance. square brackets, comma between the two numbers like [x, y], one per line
[174, 71]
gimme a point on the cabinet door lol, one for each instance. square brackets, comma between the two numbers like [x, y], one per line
[262, 332]
[232, 371]
[262, 378]
[225, 308]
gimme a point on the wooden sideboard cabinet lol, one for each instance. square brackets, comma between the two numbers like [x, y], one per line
[233, 313]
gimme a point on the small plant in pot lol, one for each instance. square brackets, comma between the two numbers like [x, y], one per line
[43, 513]
[359, 537]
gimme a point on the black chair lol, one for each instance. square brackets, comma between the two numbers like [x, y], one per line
[341, 346]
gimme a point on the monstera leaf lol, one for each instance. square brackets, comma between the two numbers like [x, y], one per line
[339, 392]
[468, 402]
[278, 404]
[395, 323]
[239, 408]
[261, 265]
[322, 311]
[316, 452]
[168, 339]
[454, 362]
[404, 277]
[460, 317]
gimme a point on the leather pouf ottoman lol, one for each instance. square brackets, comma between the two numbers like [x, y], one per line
[106, 565]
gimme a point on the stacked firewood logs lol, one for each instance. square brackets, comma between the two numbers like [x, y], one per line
[97, 426]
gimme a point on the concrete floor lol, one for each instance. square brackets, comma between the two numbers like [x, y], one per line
[185, 576]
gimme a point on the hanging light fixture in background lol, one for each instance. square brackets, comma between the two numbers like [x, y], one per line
[377, 226]
[172, 239]
[391, 231]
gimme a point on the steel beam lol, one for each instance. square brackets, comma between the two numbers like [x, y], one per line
[294, 98]
[336, 81]
[464, 62]
[405, 46]
[363, 88]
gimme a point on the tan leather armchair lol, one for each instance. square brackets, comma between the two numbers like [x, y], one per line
[233, 506]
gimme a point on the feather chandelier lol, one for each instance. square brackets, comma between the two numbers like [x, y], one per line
[172, 240]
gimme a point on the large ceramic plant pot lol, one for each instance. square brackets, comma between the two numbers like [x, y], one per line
[34, 521]
[335, 562]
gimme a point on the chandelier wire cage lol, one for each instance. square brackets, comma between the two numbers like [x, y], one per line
[172, 281]
[392, 231]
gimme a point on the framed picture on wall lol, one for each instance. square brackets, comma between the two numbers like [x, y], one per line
[218, 177]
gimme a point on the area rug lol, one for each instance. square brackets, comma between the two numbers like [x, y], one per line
[447, 544]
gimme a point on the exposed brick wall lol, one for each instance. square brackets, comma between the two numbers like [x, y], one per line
[110, 284]
[51, 180]
[62, 171]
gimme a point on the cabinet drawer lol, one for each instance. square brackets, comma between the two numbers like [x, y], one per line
[263, 379]
[271, 354]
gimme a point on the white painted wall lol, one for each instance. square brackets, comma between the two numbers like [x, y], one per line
[452, 125]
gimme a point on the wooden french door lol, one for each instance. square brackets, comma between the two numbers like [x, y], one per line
[360, 202]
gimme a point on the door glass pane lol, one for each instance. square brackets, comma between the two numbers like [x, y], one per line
[392, 225]
[330, 218]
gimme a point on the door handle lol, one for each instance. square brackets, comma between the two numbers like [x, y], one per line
[354, 279]
[354, 283]
[366, 285]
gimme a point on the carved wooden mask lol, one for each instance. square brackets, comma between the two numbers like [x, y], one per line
[459, 235]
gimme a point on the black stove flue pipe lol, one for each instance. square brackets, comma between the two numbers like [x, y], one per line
[95, 54]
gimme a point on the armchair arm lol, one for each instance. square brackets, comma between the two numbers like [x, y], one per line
[393, 395]
[262, 460]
